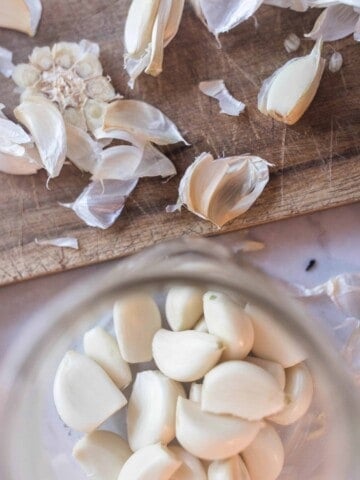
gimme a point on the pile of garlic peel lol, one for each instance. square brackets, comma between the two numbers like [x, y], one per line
[225, 428]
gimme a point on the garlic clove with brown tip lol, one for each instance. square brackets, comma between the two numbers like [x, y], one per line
[21, 15]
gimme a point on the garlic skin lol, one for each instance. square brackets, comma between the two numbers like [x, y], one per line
[185, 356]
[299, 390]
[191, 467]
[81, 149]
[195, 392]
[289, 91]
[6, 65]
[150, 422]
[264, 457]
[209, 436]
[101, 454]
[20, 165]
[184, 307]
[103, 349]
[136, 313]
[150, 463]
[292, 43]
[217, 89]
[242, 389]
[84, 394]
[271, 342]
[21, 15]
[335, 22]
[230, 323]
[232, 468]
[335, 63]
[275, 369]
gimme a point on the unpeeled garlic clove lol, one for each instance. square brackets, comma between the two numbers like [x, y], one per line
[139, 24]
[201, 326]
[191, 467]
[103, 349]
[195, 392]
[275, 369]
[230, 323]
[136, 319]
[101, 454]
[271, 341]
[84, 394]
[184, 307]
[150, 463]
[46, 125]
[232, 468]
[185, 356]
[289, 91]
[21, 15]
[264, 457]
[210, 436]
[152, 422]
[299, 390]
[242, 389]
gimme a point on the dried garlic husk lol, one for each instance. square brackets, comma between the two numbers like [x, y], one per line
[335, 62]
[289, 91]
[292, 43]
[21, 15]
[6, 65]
[101, 203]
[82, 150]
[150, 27]
[334, 23]
[25, 164]
[298, 5]
[221, 190]
[64, 242]
[217, 89]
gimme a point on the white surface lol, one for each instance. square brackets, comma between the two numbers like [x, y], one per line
[332, 238]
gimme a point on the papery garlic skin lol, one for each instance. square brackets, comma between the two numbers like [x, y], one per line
[289, 91]
[201, 326]
[191, 467]
[21, 15]
[184, 307]
[6, 65]
[81, 149]
[210, 436]
[232, 468]
[150, 463]
[335, 63]
[335, 22]
[292, 43]
[152, 421]
[217, 89]
[101, 454]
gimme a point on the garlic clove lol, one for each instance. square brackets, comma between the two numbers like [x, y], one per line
[66, 54]
[195, 392]
[191, 467]
[82, 150]
[242, 389]
[101, 454]
[139, 25]
[150, 463]
[88, 66]
[140, 118]
[335, 22]
[118, 163]
[84, 394]
[230, 323]
[183, 307]
[264, 457]
[210, 436]
[21, 15]
[25, 75]
[6, 64]
[46, 125]
[150, 422]
[185, 356]
[299, 390]
[41, 58]
[288, 93]
[201, 326]
[217, 89]
[232, 468]
[275, 369]
[136, 313]
[271, 341]
[103, 349]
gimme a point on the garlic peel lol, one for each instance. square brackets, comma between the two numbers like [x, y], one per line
[21, 15]
[18, 165]
[335, 22]
[6, 65]
[63, 242]
[191, 467]
[335, 62]
[82, 150]
[183, 307]
[217, 89]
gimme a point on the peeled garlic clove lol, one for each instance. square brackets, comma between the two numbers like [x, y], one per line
[150, 463]
[82, 150]
[41, 58]
[21, 15]
[299, 390]
[183, 307]
[209, 436]
[103, 349]
[217, 89]
[25, 75]
[139, 24]
[264, 457]
[136, 313]
[275, 369]
[201, 326]
[335, 22]
[185, 356]
[230, 323]
[66, 54]
[271, 341]
[242, 389]
[46, 125]
[288, 93]
[152, 422]
[101, 454]
[195, 392]
[232, 468]
[84, 394]
[191, 467]
[140, 118]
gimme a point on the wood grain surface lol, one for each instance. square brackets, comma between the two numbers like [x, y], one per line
[316, 162]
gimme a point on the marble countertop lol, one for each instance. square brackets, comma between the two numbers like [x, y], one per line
[331, 238]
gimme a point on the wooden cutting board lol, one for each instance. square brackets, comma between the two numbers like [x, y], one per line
[316, 162]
